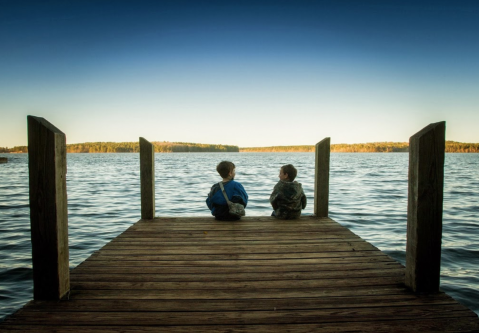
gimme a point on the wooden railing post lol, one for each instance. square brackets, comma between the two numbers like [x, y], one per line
[48, 209]
[424, 211]
[321, 178]
[147, 179]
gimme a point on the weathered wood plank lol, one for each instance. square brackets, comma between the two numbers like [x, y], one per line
[212, 242]
[237, 276]
[208, 242]
[213, 269]
[216, 244]
[156, 228]
[355, 256]
[243, 285]
[357, 291]
[247, 260]
[244, 220]
[233, 234]
[387, 326]
[185, 237]
[321, 178]
[242, 304]
[424, 216]
[147, 179]
[251, 223]
[252, 259]
[150, 250]
[48, 209]
[242, 317]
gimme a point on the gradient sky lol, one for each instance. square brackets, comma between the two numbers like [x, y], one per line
[246, 73]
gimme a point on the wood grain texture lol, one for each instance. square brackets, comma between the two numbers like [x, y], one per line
[48, 209]
[147, 179]
[425, 201]
[321, 178]
[229, 284]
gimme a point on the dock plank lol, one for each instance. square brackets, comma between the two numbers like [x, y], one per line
[171, 318]
[195, 274]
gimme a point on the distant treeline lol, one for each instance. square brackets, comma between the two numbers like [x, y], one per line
[134, 147]
[373, 147]
[461, 147]
[184, 147]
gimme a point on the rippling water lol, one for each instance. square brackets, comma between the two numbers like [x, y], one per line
[368, 194]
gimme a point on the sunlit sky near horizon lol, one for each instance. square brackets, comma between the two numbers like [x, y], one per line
[246, 73]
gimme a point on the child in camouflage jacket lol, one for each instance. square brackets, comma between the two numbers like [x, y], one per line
[288, 198]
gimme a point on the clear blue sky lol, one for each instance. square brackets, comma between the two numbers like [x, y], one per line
[247, 73]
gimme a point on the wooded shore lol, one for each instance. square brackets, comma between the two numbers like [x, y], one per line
[372, 147]
[134, 147]
[182, 147]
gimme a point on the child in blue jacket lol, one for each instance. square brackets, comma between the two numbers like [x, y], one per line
[236, 193]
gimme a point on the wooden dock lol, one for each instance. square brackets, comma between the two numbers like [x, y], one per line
[196, 274]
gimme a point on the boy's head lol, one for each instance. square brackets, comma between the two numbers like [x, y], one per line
[289, 171]
[224, 168]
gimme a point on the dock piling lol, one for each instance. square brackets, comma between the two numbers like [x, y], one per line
[48, 209]
[424, 212]
[321, 177]
[147, 179]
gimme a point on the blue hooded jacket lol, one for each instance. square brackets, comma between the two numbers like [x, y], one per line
[216, 201]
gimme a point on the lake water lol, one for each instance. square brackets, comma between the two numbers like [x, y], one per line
[368, 194]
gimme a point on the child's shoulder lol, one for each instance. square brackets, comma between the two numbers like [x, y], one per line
[283, 184]
[280, 184]
[236, 183]
[215, 186]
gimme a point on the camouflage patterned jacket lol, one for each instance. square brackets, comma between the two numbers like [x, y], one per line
[288, 199]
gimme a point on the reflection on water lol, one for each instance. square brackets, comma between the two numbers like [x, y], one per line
[368, 194]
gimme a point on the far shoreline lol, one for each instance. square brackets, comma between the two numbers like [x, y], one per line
[253, 152]
[183, 147]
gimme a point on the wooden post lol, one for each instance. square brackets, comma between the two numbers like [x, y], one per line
[147, 179]
[321, 178]
[424, 211]
[48, 209]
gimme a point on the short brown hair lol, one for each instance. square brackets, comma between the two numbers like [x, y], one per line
[290, 170]
[224, 168]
